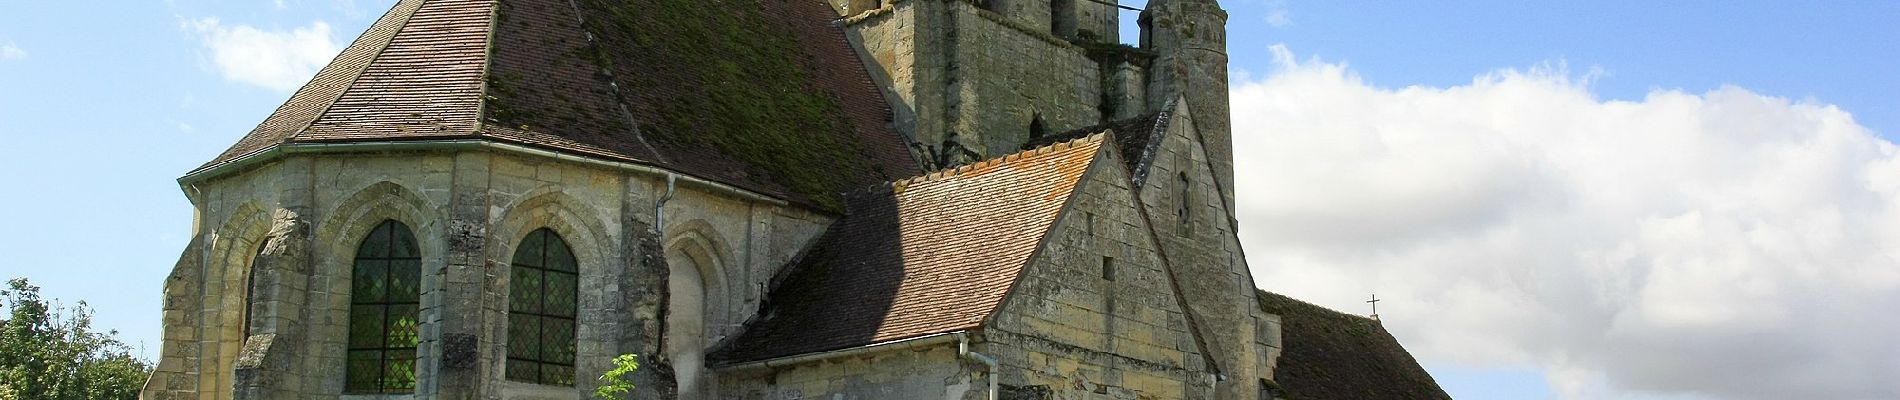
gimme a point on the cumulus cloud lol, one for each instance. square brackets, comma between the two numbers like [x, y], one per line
[1727, 244]
[10, 51]
[274, 59]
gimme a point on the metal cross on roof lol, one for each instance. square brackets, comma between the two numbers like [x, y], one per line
[1375, 305]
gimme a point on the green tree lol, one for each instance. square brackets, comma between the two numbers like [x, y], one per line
[614, 382]
[52, 353]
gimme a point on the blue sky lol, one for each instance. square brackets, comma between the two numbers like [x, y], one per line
[103, 107]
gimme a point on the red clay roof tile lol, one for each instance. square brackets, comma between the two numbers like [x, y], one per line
[923, 256]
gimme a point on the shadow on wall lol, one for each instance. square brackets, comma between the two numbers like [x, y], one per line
[839, 294]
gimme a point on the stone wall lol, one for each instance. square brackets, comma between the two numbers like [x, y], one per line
[1074, 329]
[1206, 253]
[964, 74]
[306, 215]
[1004, 75]
[933, 372]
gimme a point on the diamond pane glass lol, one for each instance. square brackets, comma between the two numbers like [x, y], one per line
[366, 327]
[385, 288]
[527, 289]
[401, 329]
[518, 298]
[558, 340]
[377, 244]
[368, 281]
[399, 373]
[542, 297]
[529, 253]
[365, 372]
[559, 258]
[557, 375]
[405, 281]
[523, 329]
[523, 371]
[402, 244]
[560, 294]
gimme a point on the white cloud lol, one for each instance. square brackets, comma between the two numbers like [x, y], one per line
[1726, 244]
[274, 59]
[1279, 16]
[10, 51]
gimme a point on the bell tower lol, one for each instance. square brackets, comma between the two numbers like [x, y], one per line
[1189, 41]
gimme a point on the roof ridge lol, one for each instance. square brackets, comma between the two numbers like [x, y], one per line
[1304, 303]
[1051, 148]
[1146, 154]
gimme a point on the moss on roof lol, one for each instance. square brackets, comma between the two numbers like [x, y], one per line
[725, 77]
[1334, 355]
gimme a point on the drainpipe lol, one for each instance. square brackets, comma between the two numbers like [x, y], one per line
[963, 349]
[659, 208]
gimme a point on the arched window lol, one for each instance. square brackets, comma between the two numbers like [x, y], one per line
[1184, 211]
[541, 308]
[250, 288]
[385, 289]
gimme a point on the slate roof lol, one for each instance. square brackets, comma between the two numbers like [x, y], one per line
[765, 95]
[1136, 137]
[924, 256]
[1334, 355]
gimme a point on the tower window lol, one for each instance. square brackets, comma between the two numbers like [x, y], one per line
[1108, 268]
[1037, 128]
[541, 308]
[385, 289]
[1088, 220]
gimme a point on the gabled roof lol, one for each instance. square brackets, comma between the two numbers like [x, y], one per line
[1334, 355]
[1136, 137]
[761, 94]
[924, 256]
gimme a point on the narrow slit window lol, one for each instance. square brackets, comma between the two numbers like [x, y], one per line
[541, 308]
[1108, 268]
[1089, 220]
[250, 288]
[1184, 211]
[385, 290]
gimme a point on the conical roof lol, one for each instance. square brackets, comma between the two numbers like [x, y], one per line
[765, 95]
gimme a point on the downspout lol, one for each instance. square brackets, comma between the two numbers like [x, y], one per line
[989, 363]
[659, 208]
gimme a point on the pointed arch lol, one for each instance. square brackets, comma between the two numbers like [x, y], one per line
[385, 312]
[543, 288]
[699, 299]
[550, 211]
[339, 238]
[225, 290]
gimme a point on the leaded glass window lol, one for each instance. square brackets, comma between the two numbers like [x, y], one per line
[385, 289]
[541, 307]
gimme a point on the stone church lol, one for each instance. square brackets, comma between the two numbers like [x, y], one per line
[762, 199]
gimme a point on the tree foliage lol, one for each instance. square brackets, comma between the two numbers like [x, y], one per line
[614, 382]
[52, 353]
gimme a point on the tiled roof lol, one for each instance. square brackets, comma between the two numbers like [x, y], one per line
[766, 95]
[1136, 137]
[929, 255]
[1333, 355]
